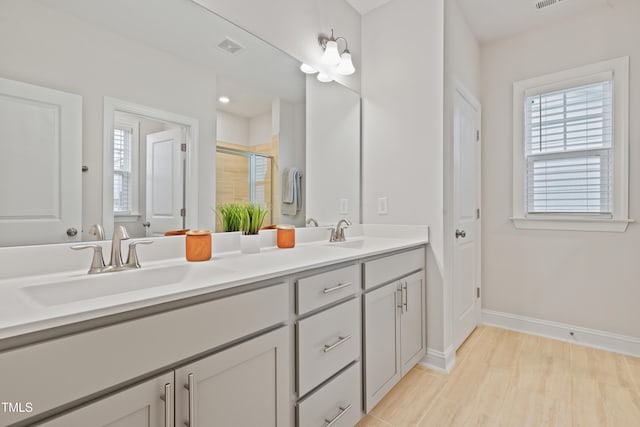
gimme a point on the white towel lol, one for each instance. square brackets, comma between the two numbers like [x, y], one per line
[291, 191]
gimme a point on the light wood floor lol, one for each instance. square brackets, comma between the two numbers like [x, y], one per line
[505, 378]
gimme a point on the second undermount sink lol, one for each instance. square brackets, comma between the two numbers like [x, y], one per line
[350, 244]
[84, 287]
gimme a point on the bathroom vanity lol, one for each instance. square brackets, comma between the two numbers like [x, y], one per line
[281, 338]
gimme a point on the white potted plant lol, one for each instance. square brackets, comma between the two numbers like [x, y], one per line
[251, 220]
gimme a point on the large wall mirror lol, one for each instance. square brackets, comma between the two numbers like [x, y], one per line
[110, 112]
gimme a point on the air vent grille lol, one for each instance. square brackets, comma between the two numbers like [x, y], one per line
[546, 3]
[230, 46]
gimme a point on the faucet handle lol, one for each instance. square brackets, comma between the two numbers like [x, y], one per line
[97, 262]
[132, 258]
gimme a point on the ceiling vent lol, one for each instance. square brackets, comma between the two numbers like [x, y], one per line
[230, 46]
[546, 3]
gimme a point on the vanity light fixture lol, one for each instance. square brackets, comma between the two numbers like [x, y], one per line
[339, 62]
[224, 99]
[324, 77]
[308, 69]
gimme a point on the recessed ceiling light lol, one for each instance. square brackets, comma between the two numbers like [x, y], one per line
[224, 99]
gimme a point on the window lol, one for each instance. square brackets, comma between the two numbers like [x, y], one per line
[571, 149]
[125, 168]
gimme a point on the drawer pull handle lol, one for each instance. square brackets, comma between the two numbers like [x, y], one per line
[336, 288]
[191, 386]
[332, 421]
[168, 405]
[341, 340]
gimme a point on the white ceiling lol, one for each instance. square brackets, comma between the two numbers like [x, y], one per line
[493, 19]
[251, 77]
[364, 6]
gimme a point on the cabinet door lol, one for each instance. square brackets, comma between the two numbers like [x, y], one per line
[382, 339]
[412, 321]
[244, 386]
[142, 405]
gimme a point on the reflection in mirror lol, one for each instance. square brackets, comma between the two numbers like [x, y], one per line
[175, 59]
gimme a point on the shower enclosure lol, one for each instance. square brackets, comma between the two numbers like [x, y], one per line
[244, 177]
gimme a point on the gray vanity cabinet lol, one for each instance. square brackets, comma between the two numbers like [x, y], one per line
[394, 321]
[142, 405]
[243, 386]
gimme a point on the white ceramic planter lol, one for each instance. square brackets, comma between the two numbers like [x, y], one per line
[250, 243]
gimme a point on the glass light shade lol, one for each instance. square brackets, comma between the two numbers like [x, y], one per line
[308, 69]
[324, 78]
[346, 65]
[331, 56]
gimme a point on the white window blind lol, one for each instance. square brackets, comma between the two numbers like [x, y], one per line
[122, 171]
[568, 150]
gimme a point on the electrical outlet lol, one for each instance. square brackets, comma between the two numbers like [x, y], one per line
[344, 206]
[383, 206]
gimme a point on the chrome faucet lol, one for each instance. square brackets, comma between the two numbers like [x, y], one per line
[337, 234]
[115, 263]
[312, 221]
[119, 233]
[98, 231]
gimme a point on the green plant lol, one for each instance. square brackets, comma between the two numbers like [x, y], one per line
[252, 217]
[231, 216]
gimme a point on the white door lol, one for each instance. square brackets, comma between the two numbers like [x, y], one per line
[466, 214]
[165, 182]
[40, 165]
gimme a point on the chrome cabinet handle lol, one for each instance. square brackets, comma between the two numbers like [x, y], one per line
[332, 421]
[336, 288]
[191, 386]
[395, 298]
[168, 405]
[341, 340]
[405, 291]
[461, 233]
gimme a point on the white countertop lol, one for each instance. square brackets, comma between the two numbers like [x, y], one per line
[21, 314]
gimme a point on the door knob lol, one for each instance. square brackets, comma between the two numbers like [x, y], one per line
[72, 232]
[146, 224]
[461, 233]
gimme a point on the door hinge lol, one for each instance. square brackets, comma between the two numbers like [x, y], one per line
[478, 213]
[183, 147]
[478, 135]
[183, 212]
[478, 292]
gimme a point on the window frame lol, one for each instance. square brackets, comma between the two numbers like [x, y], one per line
[619, 70]
[133, 125]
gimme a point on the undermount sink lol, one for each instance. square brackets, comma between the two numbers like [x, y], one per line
[79, 288]
[351, 244]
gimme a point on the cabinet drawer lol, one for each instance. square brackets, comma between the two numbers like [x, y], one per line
[89, 362]
[337, 400]
[324, 288]
[326, 343]
[393, 267]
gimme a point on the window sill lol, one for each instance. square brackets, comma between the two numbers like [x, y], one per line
[134, 217]
[572, 224]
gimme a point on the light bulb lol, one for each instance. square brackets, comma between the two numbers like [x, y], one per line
[331, 56]
[308, 69]
[346, 65]
[324, 77]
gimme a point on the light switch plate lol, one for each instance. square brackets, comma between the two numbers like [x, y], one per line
[383, 206]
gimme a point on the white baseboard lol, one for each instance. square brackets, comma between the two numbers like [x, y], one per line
[440, 361]
[560, 331]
